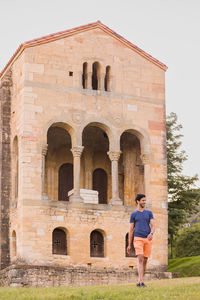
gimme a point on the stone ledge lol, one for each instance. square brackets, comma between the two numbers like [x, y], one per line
[46, 276]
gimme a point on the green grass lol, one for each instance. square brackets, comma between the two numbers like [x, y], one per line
[186, 266]
[180, 288]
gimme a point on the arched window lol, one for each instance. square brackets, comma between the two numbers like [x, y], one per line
[59, 245]
[14, 244]
[107, 79]
[65, 181]
[96, 244]
[132, 254]
[100, 184]
[95, 76]
[84, 75]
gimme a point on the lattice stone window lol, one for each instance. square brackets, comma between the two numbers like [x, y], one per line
[96, 244]
[59, 245]
[132, 254]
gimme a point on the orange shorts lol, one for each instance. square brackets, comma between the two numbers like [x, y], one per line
[142, 246]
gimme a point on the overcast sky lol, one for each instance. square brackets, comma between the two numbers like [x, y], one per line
[169, 30]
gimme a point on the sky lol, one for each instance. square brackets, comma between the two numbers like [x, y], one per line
[168, 30]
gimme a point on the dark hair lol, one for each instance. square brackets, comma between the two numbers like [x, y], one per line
[139, 197]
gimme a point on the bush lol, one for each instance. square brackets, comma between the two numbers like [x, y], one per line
[187, 242]
[185, 266]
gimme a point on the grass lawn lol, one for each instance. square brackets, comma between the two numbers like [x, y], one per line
[186, 266]
[180, 288]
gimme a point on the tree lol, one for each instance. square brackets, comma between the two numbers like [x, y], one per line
[187, 241]
[183, 196]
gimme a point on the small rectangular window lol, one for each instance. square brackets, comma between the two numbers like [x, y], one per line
[70, 73]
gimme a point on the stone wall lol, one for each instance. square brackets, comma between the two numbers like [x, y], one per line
[43, 276]
[5, 162]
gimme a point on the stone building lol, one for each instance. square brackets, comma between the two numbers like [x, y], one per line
[82, 132]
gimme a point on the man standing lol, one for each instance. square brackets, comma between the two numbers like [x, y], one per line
[142, 227]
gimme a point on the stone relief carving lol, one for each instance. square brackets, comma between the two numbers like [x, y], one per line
[77, 117]
[146, 158]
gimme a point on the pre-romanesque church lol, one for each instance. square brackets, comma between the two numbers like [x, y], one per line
[82, 132]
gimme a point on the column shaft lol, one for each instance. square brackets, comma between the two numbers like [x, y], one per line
[77, 151]
[114, 157]
[44, 152]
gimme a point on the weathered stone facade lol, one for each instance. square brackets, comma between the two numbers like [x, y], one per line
[85, 111]
[5, 166]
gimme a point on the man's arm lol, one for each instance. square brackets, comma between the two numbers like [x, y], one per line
[130, 238]
[153, 227]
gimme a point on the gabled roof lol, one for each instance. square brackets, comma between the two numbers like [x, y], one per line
[62, 34]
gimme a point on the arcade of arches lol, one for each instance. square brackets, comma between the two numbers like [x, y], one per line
[92, 166]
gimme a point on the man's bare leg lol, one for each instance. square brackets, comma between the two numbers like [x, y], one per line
[140, 268]
[144, 265]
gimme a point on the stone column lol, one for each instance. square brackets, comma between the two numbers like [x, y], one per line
[77, 151]
[102, 82]
[89, 76]
[89, 80]
[44, 152]
[114, 157]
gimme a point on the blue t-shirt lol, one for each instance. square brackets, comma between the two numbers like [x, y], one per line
[141, 222]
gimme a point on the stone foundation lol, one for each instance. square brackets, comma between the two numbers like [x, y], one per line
[45, 276]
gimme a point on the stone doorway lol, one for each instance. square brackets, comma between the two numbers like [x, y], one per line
[100, 184]
[65, 181]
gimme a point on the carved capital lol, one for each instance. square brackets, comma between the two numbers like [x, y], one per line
[44, 149]
[77, 151]
[114, 155]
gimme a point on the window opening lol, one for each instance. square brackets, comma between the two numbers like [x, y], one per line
[14, 244]
[96, 244]
[84, 75]
[95, 76]
[107, 79]
[59, 242]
